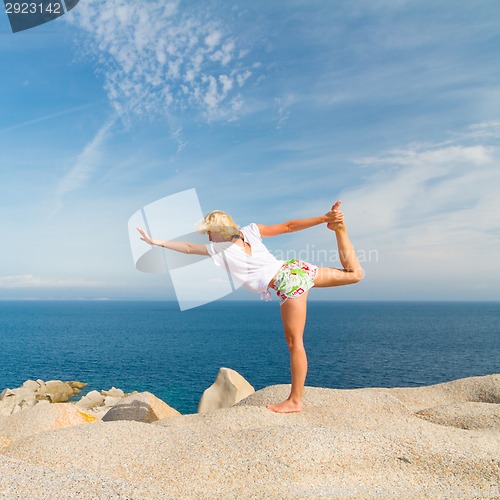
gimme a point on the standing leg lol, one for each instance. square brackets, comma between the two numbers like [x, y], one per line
[293, 315]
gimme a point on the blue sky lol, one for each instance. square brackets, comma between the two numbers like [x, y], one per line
[272, 111]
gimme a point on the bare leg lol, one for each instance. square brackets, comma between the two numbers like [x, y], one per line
[352, 272]
[293, 315]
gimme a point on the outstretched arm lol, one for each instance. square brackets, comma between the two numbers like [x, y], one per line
[334, 216]
[178, 246]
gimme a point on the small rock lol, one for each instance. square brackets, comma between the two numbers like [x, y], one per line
[32, 385]
[41, 392]
[58, 391]
[6, 393]
[141, 407]
[77, 385]
[24, 394]
[114, 392]
[90, 400]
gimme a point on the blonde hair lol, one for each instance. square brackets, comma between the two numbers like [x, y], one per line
[218, 221]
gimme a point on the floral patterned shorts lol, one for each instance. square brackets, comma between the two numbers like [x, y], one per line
[294, 278]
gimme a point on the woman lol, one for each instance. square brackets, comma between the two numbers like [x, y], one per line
[249, 261]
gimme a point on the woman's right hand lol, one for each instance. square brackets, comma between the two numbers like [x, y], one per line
[335, 218]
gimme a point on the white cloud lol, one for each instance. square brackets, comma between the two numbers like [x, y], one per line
[158, 58]
[484, 130]
[283, 104]
[433, 214]
[31, 281]
[81, 171]
[422, 154]
[46, 117]
[422, 182]
[213, 39]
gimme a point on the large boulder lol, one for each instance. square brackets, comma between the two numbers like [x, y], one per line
[56, 391]
[141, 407]
[229, 388]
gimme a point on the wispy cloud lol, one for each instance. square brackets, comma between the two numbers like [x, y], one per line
[419, 154]
[84, 166]
[432, 212]
[44, 118]
[158, 58]
[482, 131]
[423, 184]
[283, 104]
[31, 281]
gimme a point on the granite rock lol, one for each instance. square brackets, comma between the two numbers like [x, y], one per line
[229, 388]
[42, 418]
[140, 407]
[359, 443]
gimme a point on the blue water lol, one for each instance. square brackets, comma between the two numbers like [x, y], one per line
[176, 355]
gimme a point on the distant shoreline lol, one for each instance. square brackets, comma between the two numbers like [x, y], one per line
[252, 301]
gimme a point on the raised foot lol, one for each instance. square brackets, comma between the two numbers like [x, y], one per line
[337, 216]
[286, 406]
[333, 226]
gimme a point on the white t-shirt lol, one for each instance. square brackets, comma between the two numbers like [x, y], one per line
[252, 271]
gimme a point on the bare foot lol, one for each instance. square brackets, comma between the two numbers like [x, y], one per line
[337, 215]
[286, 406]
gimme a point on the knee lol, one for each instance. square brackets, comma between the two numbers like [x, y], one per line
[294, 344]
[358, 275]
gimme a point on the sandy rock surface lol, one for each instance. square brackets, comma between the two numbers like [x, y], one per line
[468, 415]
[364, 443]
[42, 418]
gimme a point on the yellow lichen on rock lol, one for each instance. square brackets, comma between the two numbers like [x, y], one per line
[87, 416]
[4, 442]
[43, 418]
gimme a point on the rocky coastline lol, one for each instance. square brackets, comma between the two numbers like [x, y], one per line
[439, 441]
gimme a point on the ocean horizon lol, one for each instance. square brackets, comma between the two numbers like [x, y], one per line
[148, 345]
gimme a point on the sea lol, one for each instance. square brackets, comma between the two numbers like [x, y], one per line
[176, 355]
